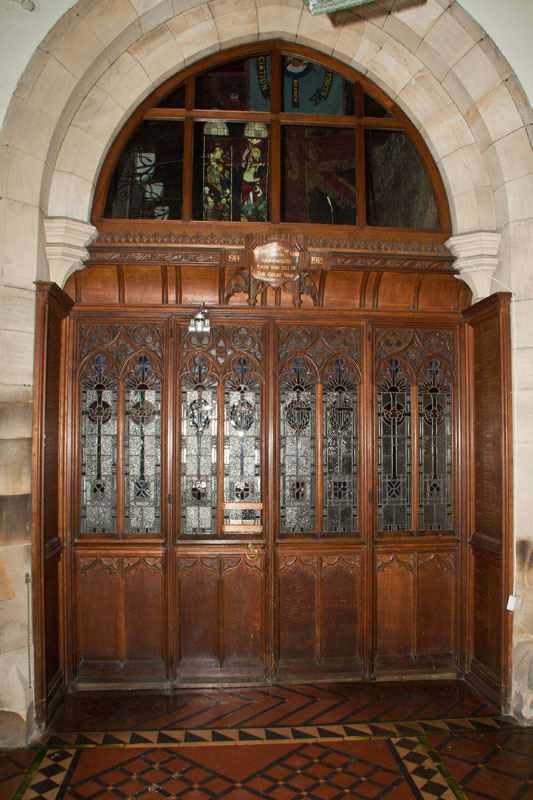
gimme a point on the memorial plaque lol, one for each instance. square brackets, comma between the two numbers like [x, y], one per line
[276, 263]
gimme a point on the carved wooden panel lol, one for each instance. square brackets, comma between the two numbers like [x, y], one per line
[298, 607]
[395, 586]
[243, 628]
[121, 617]
[487, 602]
[340, 606]
[98, 609]
[491, 559]
[415, 613]
[144, 617]
[48, 491]
[349, 281]
[199, 611]
[435, 610]
[221, 616]
[488, 429]
[320, 611]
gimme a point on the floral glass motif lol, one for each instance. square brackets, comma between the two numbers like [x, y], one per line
[340, 448]
[435, 449]
[142, 448]
[298, 448]
[242, 445]
[235, 160]
[98, 447]
[198, 449]
[394, 449]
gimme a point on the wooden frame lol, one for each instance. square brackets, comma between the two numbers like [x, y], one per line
[276, 117]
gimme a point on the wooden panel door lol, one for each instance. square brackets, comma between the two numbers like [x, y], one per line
[53, 308]
[490, 556]
[415, 524]
[221, 529]
[321, 553]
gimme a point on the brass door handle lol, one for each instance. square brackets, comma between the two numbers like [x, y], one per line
[251, 552]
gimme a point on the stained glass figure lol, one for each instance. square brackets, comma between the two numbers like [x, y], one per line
[198, 449]
[242, 448]
[235, 158]
[98, 447]
[394, 448]
[435, 448]
[298, 448]
[142, 448]
[340, 448]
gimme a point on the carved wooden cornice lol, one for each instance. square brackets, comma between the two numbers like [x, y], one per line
[236, 250]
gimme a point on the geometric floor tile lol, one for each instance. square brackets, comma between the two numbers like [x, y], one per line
[490, 766]
[422, 769]
[240, 772]
[403, 741]
[13, 766]
[292, 705]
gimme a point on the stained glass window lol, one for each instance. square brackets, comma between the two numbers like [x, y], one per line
[340, 448]
[242, 85]
[394, 448]
[233, 182]
[271, 137]
[242, 449]
[435, 448]
[99, 447]
[142, 448]
[310, 88]
[298, 448]
[121, 375]
[199, 449]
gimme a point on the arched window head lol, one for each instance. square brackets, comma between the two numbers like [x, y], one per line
[272, 134]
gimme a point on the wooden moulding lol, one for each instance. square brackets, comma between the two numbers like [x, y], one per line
[168, 268]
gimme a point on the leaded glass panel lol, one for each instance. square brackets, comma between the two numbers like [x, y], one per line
[147, 181]
[242, 449]
[340, 448]
[298, 448]
[199, 449]
[232, 184]
[142, 448]
[435, 448]
[394, 448]
[98, 447]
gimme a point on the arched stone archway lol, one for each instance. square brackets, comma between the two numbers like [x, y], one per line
[99, 62]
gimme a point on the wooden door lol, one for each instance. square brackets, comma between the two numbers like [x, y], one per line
[271, 499]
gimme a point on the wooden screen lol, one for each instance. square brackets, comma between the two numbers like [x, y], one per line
[266, 500]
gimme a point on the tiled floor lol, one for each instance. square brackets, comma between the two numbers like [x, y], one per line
[398, 741]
